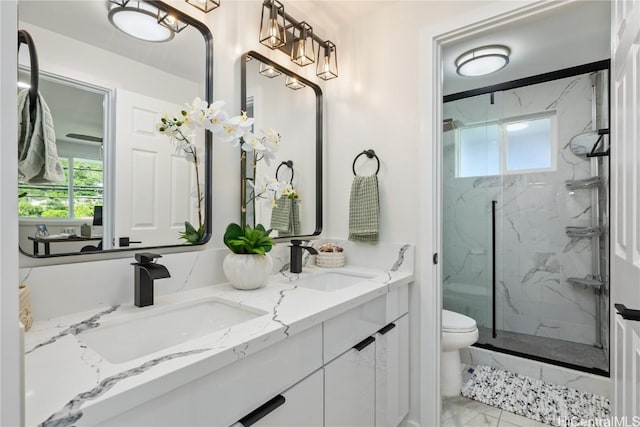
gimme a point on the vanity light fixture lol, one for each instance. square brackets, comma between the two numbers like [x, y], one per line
[327, 67]
[272, 24]
[138, 19]
[482, 60]
[204, 5]
[293, 83]
[302, 52]
[268, 70]
[170, 21]
[279, 30]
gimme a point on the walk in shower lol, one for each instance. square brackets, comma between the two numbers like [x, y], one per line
[526, 218]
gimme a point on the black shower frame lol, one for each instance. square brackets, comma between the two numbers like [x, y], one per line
[513, 84]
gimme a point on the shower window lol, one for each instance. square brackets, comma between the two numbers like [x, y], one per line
[507, 147]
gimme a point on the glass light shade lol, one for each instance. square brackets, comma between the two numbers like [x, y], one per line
[204, 5]
[483, 60]
[268, 70]
[302, 50]
[140, 20]
[272, 25]
[293, 83]
[171, 22]
[327, 65]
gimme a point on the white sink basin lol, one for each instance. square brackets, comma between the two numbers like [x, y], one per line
[332, 281]
[158, 328]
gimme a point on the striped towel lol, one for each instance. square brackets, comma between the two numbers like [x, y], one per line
[364, 210]
[285, 217]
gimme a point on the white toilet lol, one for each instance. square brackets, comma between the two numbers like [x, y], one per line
[458, 331]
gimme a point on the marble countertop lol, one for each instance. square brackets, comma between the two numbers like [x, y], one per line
[66, 382]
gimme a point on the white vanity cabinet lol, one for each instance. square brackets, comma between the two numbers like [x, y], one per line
[299, 406]
[368, 385]
[392, 373]
[349, 387]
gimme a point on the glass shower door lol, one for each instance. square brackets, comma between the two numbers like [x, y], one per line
[472, 181]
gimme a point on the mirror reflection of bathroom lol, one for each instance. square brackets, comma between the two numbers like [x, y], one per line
[294, 212]
[525, 197]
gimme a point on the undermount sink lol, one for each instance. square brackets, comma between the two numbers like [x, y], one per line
[332, 281]
[162, 327]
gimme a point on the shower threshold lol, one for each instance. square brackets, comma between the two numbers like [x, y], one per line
[569, 354]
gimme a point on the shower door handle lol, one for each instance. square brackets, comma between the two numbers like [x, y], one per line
[627, 313]
[493, 268]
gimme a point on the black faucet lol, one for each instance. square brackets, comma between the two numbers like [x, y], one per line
[296, 255]
[146, 271]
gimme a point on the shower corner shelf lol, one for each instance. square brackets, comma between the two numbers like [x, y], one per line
[586, 281]
[580, 184]
[580, 232]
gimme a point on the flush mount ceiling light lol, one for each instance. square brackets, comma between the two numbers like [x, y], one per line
[140, 20]
[482, 60]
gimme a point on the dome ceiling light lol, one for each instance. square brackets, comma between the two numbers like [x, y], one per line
[140, 20]
[482, 60]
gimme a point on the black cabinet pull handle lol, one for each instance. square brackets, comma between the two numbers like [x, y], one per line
[627, 313]
[263, 411]
[387, 328]
[364, 343]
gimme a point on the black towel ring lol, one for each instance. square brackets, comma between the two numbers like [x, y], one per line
[370, 154]
[25, 38]
[289, 164]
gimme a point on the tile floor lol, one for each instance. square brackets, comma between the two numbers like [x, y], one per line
[462, 412]
[564, 351]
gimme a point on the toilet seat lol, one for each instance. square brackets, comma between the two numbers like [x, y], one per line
[453, 322]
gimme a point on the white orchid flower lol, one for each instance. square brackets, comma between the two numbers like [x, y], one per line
[272, 139]
[252, 143]
[215, 116]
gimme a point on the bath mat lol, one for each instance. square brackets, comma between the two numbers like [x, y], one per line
[535, 399]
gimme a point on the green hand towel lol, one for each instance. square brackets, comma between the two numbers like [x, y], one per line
[364, 210]
[37, 152]
[285, 217]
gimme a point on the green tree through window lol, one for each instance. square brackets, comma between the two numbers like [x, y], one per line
[73, 199]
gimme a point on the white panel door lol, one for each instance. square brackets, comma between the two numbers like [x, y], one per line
[349, 389]
[392, 373]
[153, 183]
[625, 207]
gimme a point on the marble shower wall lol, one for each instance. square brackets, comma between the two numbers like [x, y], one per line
[534, 256]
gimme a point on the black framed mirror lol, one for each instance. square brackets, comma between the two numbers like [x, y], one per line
[279, 99]
[125, 186]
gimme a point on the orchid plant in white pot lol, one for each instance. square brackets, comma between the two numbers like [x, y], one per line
[243, 273]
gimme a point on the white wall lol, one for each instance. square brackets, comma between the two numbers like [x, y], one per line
[10, 354]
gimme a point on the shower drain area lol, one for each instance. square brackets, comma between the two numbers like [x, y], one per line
[586, 356]
[532, 398]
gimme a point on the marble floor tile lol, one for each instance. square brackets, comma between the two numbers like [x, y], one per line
[507, 419]
[460, 411]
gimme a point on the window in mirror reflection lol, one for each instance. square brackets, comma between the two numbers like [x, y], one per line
[74, 199]
[78, 114]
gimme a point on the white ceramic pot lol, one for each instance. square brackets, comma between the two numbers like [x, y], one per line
[247, 271]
